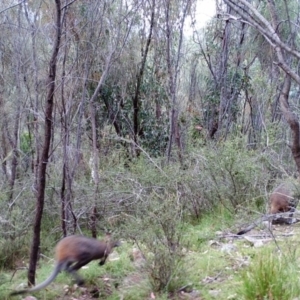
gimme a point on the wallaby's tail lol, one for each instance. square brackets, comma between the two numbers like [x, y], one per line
[253, 225]
[59, 267]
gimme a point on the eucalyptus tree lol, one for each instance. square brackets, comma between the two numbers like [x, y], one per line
[174, 14]
[221, 69]
[277, 23]
[141, 90]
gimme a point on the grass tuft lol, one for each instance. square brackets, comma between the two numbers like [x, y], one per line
[270, 276]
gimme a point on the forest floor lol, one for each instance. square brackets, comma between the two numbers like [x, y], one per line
[238, 252]
[215, 264]
[215, 267]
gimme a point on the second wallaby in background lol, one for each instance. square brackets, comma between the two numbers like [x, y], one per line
[283, 199]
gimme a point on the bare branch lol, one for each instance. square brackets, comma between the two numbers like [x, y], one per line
[268, 31]
[68, 4]
[2, 11]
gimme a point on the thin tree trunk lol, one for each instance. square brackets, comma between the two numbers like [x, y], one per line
[65, 139]
[290, 117]
[95, 168]
[63, 202]
[173, 71]
[4, 142]
[35, 104]
[15, 137]
[292, 120]
[136, 99]
[67, 173]
[45, 150]
[171, 83]
[95, 155]
[223, 70]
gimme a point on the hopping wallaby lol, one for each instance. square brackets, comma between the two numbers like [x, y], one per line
[72, 253]
[281, 200]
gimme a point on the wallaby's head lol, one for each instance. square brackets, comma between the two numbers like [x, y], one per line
[115, 244]
[111, 242]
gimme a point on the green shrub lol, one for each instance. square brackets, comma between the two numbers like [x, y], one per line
[11, 252]
[229, 174]
[158, 232]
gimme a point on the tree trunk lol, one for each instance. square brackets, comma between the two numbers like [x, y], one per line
[95, 169]
[15, 136]
[45, 150]
[36, 99]
[291, 119]
[173, 56]
[136, 98]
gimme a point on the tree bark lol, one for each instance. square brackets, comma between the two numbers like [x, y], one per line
[95, 168]
[136, 98]
[173, 58]
[34, 125]
[291, 119]
[45, 150]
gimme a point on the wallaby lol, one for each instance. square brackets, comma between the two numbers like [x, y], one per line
[281, 200]
[72, 253]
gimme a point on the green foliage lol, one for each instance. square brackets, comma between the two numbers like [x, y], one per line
[140, 292]
[153, 122]
[270, 276]
[26, 148]
[144, 199]
[5, 280]
[26, 143]
[230, 174]
[155, 135]
[157, 231]
[113, 107]
[15, 239]
[185, 183]
[13, 251]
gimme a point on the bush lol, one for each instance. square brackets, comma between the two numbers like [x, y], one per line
[231, 175]
[157, 231]
[13, 251]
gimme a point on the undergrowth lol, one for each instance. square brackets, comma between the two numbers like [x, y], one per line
[174, 215]
[271, 275]
[211, 266]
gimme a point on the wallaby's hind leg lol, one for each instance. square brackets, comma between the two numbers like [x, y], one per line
[79, 280]
[84, 259]
[71, 270]
[82, 262]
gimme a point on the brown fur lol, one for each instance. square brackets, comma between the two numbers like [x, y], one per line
[72, 253]
[281, 200]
